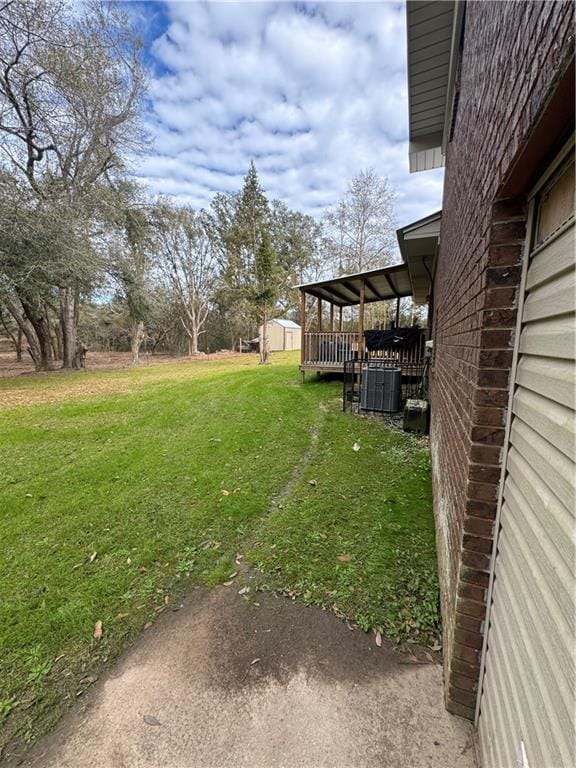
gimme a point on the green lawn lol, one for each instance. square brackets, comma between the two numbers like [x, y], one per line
[121, 489]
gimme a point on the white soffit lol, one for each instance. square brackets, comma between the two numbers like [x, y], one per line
[430, 31]
[418, 243]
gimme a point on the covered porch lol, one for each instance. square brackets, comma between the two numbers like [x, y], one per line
[329, 346]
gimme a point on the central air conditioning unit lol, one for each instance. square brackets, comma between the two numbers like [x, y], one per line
[381, 389]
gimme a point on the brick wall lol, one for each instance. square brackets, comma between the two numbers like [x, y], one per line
[511, 53]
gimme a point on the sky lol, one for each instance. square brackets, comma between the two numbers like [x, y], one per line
[311, 92]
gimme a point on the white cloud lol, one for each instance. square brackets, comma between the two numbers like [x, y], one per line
[311, 92]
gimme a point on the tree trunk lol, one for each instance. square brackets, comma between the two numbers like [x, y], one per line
[15, 339]
[69, 327]
[194, 342]
[57, 341]
[39, 342]
[263, 339]
[138, 335]
[19, 339]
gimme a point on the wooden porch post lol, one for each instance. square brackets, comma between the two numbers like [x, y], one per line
[397, 311]
[340, 320]
[302, 327]
[331, 317]
[319, 315]
[361, 321]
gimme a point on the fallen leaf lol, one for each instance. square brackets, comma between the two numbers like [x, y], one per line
[356, 447]
[225, 492]
[237, 490]
[378, 639]
[93, 557]
[233, 575]
[254, 661]
[129, 561]
[97, 634]
[166, 599]
[313, 483]
[228, 583]
[148, 625]
[436, 647]
[244, 591]
[344, 558]
[122, 616]
[239, 558]
[151, 720]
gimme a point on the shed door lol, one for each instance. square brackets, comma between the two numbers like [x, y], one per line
[289, 340]
[528, 701]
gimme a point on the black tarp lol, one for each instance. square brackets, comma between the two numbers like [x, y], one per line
[399, 337]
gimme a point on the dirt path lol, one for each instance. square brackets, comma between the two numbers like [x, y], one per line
[299, 469]
[225, 682]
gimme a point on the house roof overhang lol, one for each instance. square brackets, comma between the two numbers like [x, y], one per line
[379, 285]
[433, 37]
[419, 246]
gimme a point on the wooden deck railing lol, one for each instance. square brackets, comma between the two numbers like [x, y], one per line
[330, 349]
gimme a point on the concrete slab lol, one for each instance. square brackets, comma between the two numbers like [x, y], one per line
[226, 683]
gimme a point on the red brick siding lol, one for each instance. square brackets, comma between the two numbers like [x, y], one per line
[510, 54]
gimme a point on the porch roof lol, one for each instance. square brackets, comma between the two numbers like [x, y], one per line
[379, 285]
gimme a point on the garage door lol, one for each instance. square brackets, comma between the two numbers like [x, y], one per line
[528, 701]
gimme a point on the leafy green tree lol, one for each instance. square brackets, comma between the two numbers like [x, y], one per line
[70, 87]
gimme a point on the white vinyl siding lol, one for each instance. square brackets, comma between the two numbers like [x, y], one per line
[528, 690]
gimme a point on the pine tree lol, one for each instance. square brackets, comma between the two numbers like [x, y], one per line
[265, 289]
[238, 227]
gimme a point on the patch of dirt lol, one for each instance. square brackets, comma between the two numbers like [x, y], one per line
[298, 471]
[79, 385]
[106, 361]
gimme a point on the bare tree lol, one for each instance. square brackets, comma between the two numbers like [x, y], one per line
[186, 259]
[70, 85]
[360, 229]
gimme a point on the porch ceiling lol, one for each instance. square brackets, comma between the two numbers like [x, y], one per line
[379, 285]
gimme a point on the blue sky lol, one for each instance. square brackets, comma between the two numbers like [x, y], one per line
[312, 92]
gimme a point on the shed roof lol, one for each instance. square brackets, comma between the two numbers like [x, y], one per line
[433, 33]
[286, 323]
[380, 285]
